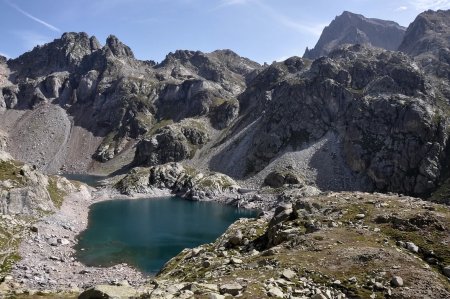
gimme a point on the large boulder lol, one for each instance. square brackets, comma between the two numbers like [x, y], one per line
[277, 179]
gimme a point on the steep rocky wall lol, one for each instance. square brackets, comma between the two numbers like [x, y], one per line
[378, 102]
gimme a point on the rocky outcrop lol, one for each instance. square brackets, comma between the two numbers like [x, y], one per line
[25, 196]
[172, 143]
[350, 28]
[119, 98]
[427, 39]
[223, 67]
[313, 245]
[26, 191]
[64, 54]
[181, 180]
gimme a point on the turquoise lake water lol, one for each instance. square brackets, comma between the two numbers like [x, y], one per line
[146, 233]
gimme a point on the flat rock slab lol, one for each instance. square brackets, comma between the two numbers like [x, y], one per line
[108, 292]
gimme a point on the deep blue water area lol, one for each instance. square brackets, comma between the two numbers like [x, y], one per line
[146, 233]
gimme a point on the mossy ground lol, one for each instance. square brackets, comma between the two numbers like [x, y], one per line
[10, 171]
[56, 194]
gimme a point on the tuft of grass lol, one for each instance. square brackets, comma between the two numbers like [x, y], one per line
[56, 195]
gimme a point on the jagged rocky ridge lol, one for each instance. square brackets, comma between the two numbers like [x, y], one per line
[372, 115]
[351, 28]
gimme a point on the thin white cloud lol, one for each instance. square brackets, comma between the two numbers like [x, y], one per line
[30, 16]
[401, 8]
[430, 4]
[5, 55]
[314, 29]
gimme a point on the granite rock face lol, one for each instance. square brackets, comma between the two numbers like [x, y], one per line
[172, 143]
[350, 28]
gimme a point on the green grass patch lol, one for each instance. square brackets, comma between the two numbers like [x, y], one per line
[10, 170]
[56, 195]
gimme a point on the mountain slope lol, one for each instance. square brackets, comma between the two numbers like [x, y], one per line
[350, 28]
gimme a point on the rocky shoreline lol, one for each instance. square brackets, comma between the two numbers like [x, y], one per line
[48, 263]
[48, 259]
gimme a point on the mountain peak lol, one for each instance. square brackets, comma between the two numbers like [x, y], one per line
[428, 33]
[349, 14]
[352, 28]
[118, 48]
[62, 54]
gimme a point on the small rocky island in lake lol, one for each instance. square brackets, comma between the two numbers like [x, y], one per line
[210, 175]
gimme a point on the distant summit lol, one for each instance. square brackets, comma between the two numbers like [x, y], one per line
[350, 28]
[429, 33]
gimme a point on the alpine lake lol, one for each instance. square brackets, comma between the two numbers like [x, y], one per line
[146, 233]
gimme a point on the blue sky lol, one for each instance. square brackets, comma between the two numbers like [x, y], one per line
[263, 30]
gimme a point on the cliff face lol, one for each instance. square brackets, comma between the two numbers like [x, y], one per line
[350, 28]
[376, 102]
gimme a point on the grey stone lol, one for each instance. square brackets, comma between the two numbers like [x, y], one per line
[231, 288]
[412, 247]
[397, 281]
[288, 274]
[350, 28]
[236, 238]
[275, 292]
[360, 216]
